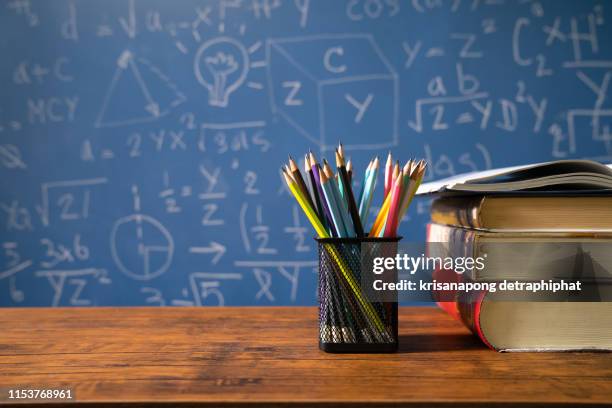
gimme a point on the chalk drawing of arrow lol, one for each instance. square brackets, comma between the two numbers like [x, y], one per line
[214, 248]
[152, 107]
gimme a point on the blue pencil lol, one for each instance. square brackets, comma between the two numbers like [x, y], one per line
[369, 187]
[340, 202]
[332, 205]
[364, 184]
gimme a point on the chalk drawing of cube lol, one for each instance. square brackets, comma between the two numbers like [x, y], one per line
[336, 87]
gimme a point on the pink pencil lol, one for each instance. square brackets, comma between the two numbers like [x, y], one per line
[388, 174]
[396, 191]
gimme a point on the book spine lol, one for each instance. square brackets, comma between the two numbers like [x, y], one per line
[465, 307]
[469, 306]
[458, 212]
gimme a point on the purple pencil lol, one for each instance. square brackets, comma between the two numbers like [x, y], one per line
[315, 172]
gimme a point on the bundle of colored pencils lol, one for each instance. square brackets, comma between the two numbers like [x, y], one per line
[330, 205]
[327, 199]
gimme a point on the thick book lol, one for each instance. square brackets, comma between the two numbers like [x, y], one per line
[562, 175]
[525, 255]
[535, 326]
[579, 213]
[528, 322]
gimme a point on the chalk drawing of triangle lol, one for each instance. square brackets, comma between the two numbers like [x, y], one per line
[138, 92]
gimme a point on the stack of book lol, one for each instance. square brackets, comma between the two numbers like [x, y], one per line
[547, 222]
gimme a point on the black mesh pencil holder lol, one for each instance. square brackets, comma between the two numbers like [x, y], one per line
[349, 322]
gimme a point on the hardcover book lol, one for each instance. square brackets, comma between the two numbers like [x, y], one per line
[542, 322]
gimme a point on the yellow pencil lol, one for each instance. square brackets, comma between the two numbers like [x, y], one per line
[416, 176]
[312, 216]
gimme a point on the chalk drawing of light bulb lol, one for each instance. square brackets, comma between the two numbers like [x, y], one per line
[221, 66]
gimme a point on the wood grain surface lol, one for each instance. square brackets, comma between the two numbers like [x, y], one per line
[244, 356]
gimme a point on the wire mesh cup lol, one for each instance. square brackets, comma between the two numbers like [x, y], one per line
[348, 321]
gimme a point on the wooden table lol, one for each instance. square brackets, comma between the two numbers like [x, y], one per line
[232, 356]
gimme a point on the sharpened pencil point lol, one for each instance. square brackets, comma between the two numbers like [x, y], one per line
[339, 160]
[313, 159]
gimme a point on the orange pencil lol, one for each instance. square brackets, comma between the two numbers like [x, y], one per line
[380, 217]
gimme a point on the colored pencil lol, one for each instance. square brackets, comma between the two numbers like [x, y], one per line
[310, 214]
[315, 190]
[368, 191]
[394, 173]
[349, 170]
[380, 218]
[396, 170]
[366, 178]
[332, 204]
[350, 198]
[407, 173]
[388, 175]
[341, 203]
[395, 193]
[297, 176]
[316, 172]
[405, 182]
[416, 176]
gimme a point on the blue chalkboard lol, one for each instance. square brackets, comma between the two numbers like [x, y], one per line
[140, 141]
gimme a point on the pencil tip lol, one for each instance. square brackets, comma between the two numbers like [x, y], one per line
[423, 166]
[323, 177]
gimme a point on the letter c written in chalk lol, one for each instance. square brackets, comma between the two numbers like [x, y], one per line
[336, 69]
